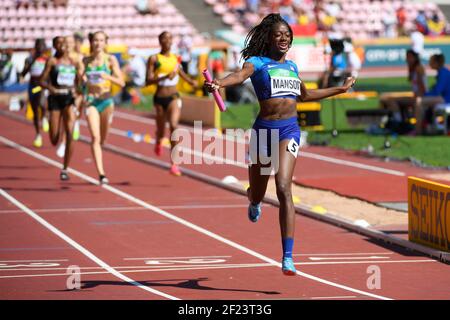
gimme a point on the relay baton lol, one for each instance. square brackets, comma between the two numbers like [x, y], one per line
[215, 93]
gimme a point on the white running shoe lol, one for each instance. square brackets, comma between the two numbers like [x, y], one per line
[45, 125]
[37, 143]
[61, 150]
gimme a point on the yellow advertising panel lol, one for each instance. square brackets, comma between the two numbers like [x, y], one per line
[429, 213]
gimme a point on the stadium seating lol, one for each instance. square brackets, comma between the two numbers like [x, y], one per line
[20, 26]
[357, 18]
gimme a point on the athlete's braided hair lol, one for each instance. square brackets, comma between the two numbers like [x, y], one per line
[257, 41]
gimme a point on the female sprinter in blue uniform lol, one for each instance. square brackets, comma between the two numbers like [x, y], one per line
[278, 87]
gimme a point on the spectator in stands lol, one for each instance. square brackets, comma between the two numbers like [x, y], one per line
[333, 9]
[134, 70]
[38, 3]
[417, 39]
[389, 21]
[326, 21]
[234, 61]
[338, 69]
[401, 107]
[237, 6]
[60, 3]
[137, 69]
[250, 19]
[147, 6]
[440, 93]
[184, 50]
[436, 26]
[401, 20]
[302, 17]
[8, 72]
[287, 12]
[421, 22]
[252, 5]
[217, 63]
[22, 3]
[354, 62]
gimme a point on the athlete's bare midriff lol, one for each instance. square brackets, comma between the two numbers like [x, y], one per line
[98, 92]
[278, 108]
[166, 91]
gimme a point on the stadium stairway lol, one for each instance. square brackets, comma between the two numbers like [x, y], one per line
[200, 15]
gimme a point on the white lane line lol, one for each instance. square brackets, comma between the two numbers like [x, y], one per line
[143, 269]
[186, 207]
[176, 266]
[170, 258]
[342, 254]
[347, 258]
[206, 206]
[182, 221]
[352, 164]
[364, 262]
[301, 154]
[33, 260]
[80, 248]
[187, 268]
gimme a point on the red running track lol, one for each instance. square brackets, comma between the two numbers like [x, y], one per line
[177, 237]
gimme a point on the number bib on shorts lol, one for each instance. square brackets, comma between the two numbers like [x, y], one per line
[66, 76]
[293, 147]
[284, 82]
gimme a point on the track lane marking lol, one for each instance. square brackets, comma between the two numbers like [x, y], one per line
[80, 248]
[142, 269]
[237, 265]
[170, 258]
[182, 221]
[347, 258]
[342, 254]
[181, 207]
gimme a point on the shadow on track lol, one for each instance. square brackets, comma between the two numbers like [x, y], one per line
[193, 284]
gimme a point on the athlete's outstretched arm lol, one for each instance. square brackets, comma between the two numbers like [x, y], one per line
[317, 94]
[232, 79]
[27, 67]
[186, 78]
